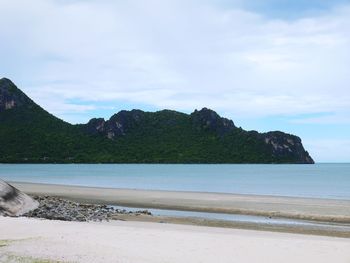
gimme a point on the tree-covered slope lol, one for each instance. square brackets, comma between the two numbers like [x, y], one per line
[30, 134]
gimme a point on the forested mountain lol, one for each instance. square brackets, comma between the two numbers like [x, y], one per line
[28, 133]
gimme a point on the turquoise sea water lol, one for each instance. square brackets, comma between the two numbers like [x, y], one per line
[319, 180]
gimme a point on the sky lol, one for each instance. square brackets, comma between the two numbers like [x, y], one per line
[267, 65]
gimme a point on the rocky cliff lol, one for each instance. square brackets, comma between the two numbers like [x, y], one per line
[280, 146]
[11, 96]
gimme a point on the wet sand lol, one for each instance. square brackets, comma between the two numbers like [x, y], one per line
[324, 229]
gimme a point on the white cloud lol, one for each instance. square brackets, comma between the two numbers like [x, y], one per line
[341, 118]
[176, 54]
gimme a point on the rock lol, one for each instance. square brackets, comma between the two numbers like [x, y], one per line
[61, 209]
[118, 125]
[286, 146]
[209, 120]
[13, 202]
[144, 212]
[11, 97]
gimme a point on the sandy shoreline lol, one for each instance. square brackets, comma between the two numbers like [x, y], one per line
[143, 238]
[312, 229]
[36, 240]
[289, 207]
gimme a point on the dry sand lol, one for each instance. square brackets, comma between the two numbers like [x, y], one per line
[32, 240]
[289, 207]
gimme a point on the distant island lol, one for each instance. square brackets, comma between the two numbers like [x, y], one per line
[29, 134]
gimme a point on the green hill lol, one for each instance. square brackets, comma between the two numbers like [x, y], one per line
[30, 134]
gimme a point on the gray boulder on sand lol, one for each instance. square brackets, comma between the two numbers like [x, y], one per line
[13, 202]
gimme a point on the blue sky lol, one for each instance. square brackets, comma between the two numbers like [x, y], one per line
[286, 9]
[267, 65]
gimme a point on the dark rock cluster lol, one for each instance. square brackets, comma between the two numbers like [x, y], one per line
[124, 121]
[55, 208]
[118, 125]
[207, 119]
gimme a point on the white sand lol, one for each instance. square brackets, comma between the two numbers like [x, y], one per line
[154, 242]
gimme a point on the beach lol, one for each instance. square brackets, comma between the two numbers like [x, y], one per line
[118, 241]
[141, 237]
[325, 217]
[316, 209]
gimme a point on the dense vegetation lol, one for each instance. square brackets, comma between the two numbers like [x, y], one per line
[30, 134]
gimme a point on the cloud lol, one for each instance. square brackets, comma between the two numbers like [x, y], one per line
[340, 118]
[176, 54]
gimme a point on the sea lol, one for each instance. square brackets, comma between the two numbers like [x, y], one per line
[322, 180]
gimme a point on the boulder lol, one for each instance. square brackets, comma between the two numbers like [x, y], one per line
[13, 202]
